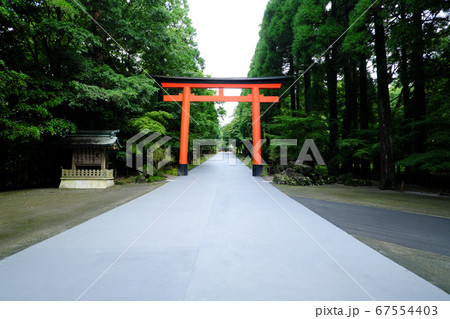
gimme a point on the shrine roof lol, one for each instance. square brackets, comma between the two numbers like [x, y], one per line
[231, 80]
[106, 139]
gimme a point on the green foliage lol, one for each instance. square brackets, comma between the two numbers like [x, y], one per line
[26, 109]
[59, 71]
[437, 157]
[301, 127]
[154, 121]
[293, 35]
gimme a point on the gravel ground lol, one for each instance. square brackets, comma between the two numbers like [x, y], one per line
[432, 267]
[30, 216]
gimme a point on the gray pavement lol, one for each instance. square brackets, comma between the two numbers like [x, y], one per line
[429, 233]
[217, 234]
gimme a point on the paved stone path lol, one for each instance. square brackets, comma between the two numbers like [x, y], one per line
[217, 234]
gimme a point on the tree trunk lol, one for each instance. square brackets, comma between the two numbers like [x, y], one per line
[404, 78]
[350, 110]
[333, 165]
[364, 110]
[292, 73]
[297, 89]
[406, 96]
[307, 78]
[387, 176]
[418, 100]
[97, 12]
[3, 165]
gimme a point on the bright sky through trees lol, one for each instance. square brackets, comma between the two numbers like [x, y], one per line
[227, 33]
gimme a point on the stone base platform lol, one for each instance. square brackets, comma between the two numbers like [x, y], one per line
[86, 183]
[83, 178]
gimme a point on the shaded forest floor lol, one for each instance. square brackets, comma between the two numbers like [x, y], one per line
[406, 201]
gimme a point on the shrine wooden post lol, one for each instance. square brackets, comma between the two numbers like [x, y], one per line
[187, 84]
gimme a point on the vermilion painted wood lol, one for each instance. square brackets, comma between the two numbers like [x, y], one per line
[218, 98]
[184, 138]
[256, 126]
[218, 85]
[255, 98]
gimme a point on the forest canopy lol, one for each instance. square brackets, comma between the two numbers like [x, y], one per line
[68, 65]
[372, 86]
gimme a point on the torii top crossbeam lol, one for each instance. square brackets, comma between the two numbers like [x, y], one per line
[255, 84]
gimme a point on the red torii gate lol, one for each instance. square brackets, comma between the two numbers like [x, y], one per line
[255, 84]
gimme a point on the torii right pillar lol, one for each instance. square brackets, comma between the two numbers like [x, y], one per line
[256, 127]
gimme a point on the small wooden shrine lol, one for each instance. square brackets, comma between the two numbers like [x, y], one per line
[90, 159]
